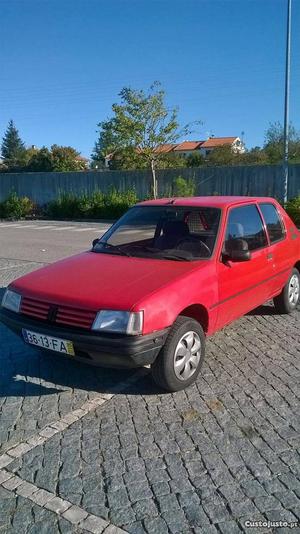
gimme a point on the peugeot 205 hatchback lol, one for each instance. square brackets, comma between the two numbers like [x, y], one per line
[164, 276]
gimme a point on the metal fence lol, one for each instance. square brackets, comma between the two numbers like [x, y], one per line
[264, 180]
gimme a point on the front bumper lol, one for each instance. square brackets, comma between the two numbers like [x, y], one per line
[106, 350]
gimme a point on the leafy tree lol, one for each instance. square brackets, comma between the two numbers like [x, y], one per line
[182, 187]
[131, 159]
[58, 159]
[255, 156]
[12, 148]
[172, 161]
[195, 160]
[222, 155]
[66, 158]
[139, 125]
[41, 161]
[274, 143]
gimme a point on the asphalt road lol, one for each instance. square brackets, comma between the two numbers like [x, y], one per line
[46, 241]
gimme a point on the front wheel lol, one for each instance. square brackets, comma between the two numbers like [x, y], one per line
[288, 299]
[179, 361]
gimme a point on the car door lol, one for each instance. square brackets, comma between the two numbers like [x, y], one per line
[280, 249]
[243, 285]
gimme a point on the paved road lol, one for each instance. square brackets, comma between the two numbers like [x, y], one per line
[84, 449]
[46, 241]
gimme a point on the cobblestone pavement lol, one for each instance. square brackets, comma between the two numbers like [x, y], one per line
[223, 452]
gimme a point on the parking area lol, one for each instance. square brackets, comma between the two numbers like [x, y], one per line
[85, 449]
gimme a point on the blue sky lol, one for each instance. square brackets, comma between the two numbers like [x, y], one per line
[63, 63]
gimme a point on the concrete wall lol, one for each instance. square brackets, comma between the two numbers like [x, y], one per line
[243, 180]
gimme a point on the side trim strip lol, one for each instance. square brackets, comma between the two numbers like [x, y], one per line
[248, 289]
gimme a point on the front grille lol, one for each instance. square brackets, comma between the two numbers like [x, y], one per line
[64, 315]
[34, 308]
[75, 317]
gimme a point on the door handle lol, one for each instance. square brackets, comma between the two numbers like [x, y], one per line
[269, 256]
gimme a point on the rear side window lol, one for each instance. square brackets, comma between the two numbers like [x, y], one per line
[245, 223]
[273, 222]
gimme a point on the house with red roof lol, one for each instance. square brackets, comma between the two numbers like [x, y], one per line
[187, 148]
[211, 143]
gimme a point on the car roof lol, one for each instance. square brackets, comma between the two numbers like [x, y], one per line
[209, 201]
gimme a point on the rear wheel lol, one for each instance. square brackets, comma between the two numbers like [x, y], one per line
[288, 299]
[179, 361]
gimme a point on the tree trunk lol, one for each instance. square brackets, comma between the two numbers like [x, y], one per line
[154, 181]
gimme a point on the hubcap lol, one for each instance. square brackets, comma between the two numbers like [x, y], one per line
[294, 290]
[187, 355]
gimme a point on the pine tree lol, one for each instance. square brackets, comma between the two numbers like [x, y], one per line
[12, 147]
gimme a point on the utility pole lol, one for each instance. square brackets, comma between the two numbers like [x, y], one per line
[287, 103]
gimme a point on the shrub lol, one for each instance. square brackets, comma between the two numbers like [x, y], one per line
[66, 206]
[15, 207]
[98, 205]
[293, 209]
[183, 188]
[117, 202]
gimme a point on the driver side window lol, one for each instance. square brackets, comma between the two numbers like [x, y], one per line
[245, 229]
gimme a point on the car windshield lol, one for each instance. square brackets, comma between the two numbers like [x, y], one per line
[176, 233]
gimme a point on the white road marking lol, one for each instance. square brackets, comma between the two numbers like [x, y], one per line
[10, 225]
[84, 229]
[38, 382]
[61, 228]
[93, 229]
[12, 266]
[17, 485]
[20, 226]
[44, 227]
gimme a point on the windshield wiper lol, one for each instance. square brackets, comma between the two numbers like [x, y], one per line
[114, 247]
[174, 257]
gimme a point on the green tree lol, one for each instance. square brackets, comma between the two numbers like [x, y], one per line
[139, 125]
[254, 156]
[182, 187]
[274, 143]
[41, 161]
[222, 155]
[195, 160]
[66, 158]
[12, 148]
[58, 159]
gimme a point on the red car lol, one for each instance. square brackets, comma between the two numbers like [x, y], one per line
[162, 278]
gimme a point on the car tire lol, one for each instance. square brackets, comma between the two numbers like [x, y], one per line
[178, 365]
[288, 299]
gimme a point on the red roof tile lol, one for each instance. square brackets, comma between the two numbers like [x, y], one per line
[188, 145]
[213, 142]
[168, 147]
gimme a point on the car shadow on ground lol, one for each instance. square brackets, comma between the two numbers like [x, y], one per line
[26, 371]
[31, 372]
[264, 309]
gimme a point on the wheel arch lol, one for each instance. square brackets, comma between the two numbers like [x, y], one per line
[297, 266]
[197, 312]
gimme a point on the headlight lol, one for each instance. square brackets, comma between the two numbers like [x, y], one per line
[121, 322]
[11, 300]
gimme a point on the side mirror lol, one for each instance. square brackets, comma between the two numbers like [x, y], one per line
[237, 250]
[95, 241]
[238, 255]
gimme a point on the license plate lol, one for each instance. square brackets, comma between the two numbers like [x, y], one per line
[48, 342]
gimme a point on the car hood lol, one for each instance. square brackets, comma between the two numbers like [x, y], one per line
[94, 281]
